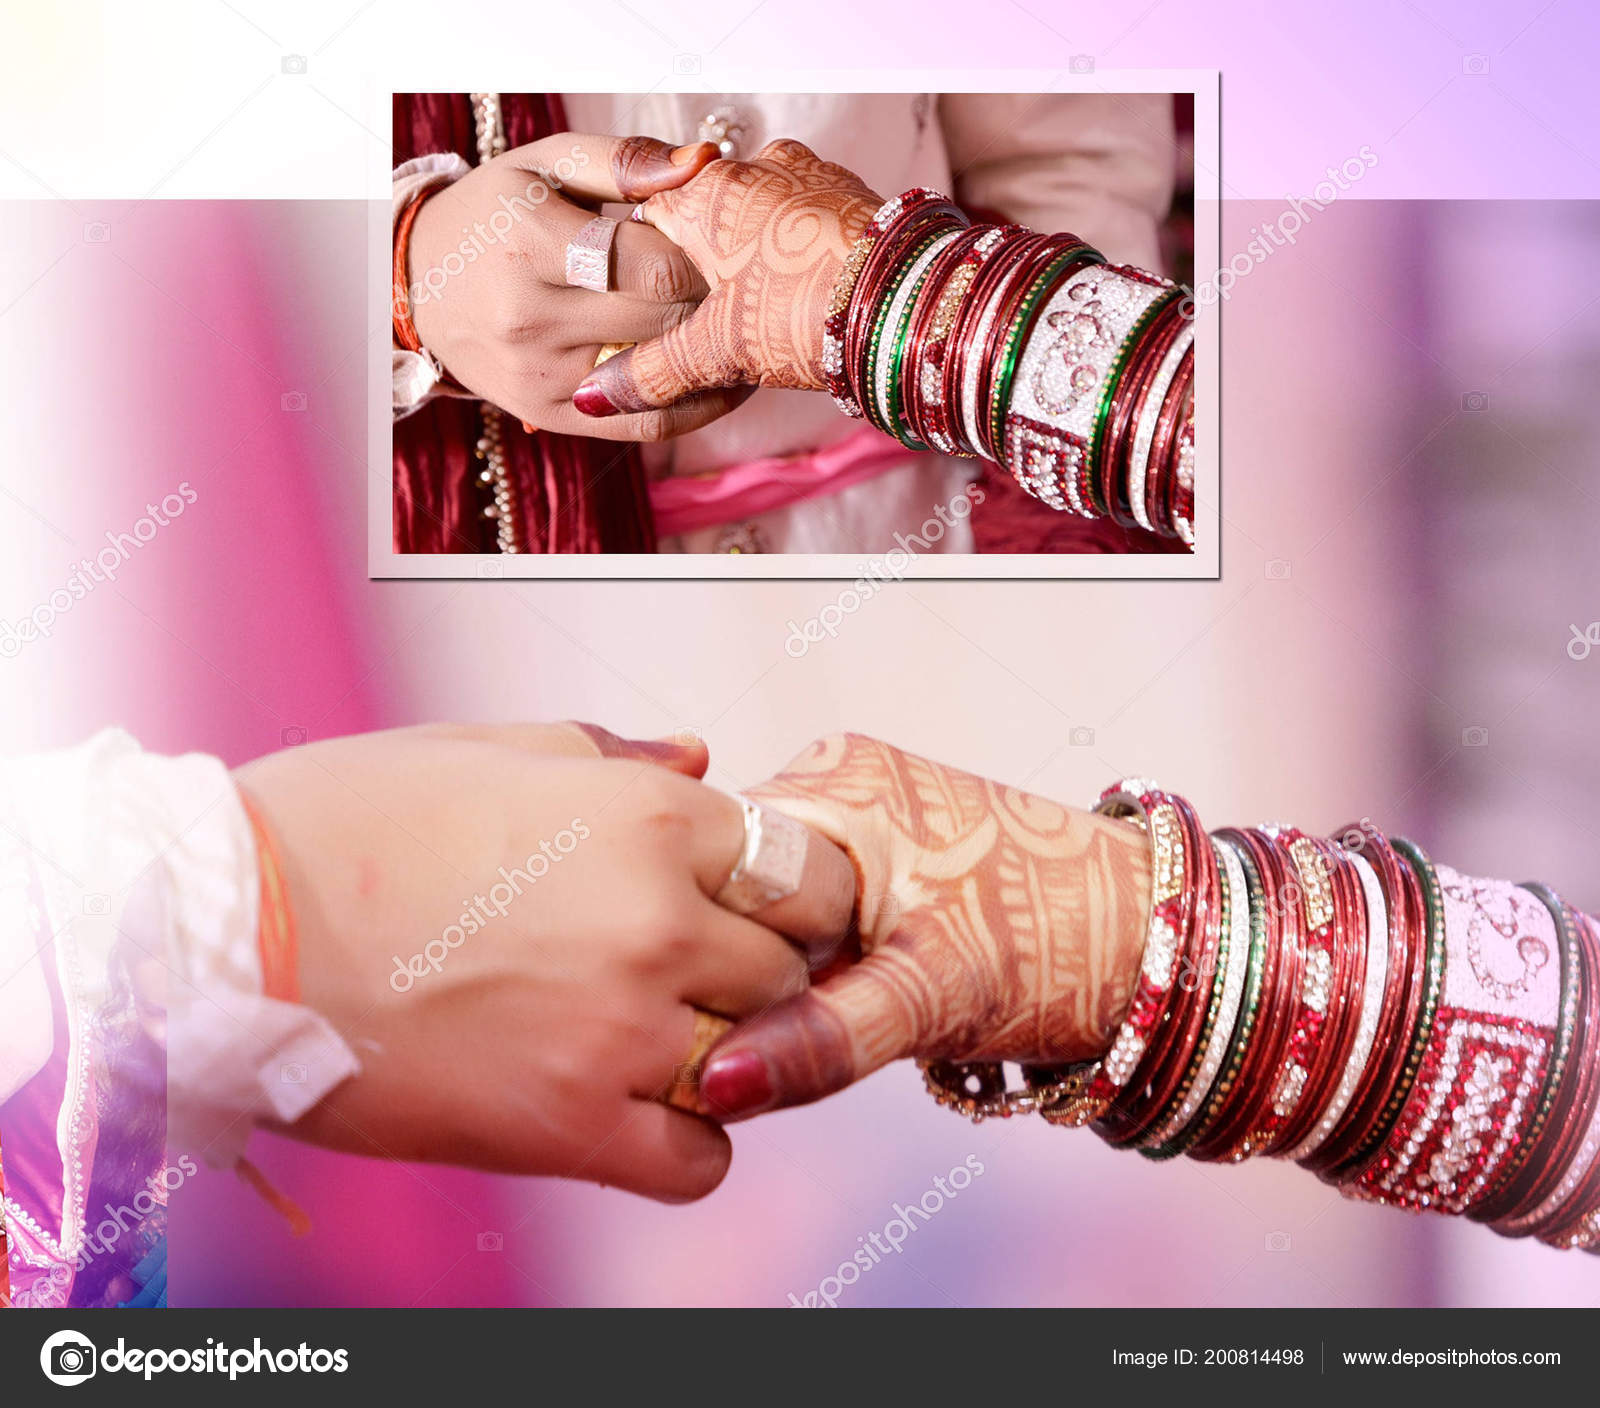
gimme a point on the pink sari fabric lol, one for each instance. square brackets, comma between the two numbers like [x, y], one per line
[685, 503]
[1009, 522]
[85, 1144]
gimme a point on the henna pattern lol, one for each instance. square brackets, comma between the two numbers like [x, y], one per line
[994, 924]
[770, 236]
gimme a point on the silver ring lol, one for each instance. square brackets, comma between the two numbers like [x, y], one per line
[771, 862]
[589, 255]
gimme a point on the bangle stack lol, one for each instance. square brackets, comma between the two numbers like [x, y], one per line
[1413, 1036]
[1029, 350]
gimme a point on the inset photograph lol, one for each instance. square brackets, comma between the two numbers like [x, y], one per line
[858, 335]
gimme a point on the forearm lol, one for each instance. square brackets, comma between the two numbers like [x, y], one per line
[1028, 350]
[1414, 1036]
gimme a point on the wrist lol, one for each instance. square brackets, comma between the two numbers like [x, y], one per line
[424, 273]
[1116, 879]
[854, 219]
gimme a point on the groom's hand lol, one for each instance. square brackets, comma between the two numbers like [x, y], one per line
[489, 294]
[994, 925]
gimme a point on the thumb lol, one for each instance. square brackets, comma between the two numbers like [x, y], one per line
[686, 754]
[692, 357]
[816, 1042]
[595, 169]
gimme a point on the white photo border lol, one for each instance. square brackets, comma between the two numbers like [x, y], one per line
[1204, 563]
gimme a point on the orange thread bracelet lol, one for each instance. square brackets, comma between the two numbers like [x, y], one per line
[405, 330]
[276, 936]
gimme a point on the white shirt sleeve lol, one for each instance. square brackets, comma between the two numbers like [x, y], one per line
[415, 376]
[155, 856]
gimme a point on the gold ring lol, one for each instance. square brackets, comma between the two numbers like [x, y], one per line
[684, 1091]
[610, 350]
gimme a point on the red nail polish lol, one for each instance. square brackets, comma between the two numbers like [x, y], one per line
[592, 401]
[737, 1084]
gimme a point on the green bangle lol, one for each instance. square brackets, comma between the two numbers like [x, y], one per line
[869, 380]
[1099, 494]
[1433, 984]
[1011, 349]
[901, 430]
[1244, 1031]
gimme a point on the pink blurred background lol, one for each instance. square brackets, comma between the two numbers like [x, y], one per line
[1409, 527]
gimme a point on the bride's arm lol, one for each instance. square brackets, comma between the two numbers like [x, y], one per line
[983, 341]
[1414, 1036]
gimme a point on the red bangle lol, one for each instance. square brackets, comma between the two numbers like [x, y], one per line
[1159, 1084]
[895, 227]
[1552, 1156]
[1364, 1124]
[1165, 503]
[1331, 1047]
[974, 336]
[930, 322]
[1238, 1129]
[1173, 896]
[1132, 405]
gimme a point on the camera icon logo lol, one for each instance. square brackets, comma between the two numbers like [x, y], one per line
[1475, 65]
[491, 568]
[293, 1073]
[67, 1358]
[293, 736]
[96, 232]
[686, 1073]
[1080, 737]
[293, 63]
[1278, 1242]
[686, 65]
[1277, 570]
[1475, 401]
[293, 401]
[491, 1242]
[1081, 63]
[1475, 736]
[97, 904]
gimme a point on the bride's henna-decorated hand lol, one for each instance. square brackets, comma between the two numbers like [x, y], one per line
[994, 925]
[770, 237]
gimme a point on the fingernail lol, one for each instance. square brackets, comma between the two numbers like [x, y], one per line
[682, 156]
[736, 1084]
[592, 401]
[660, 749]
